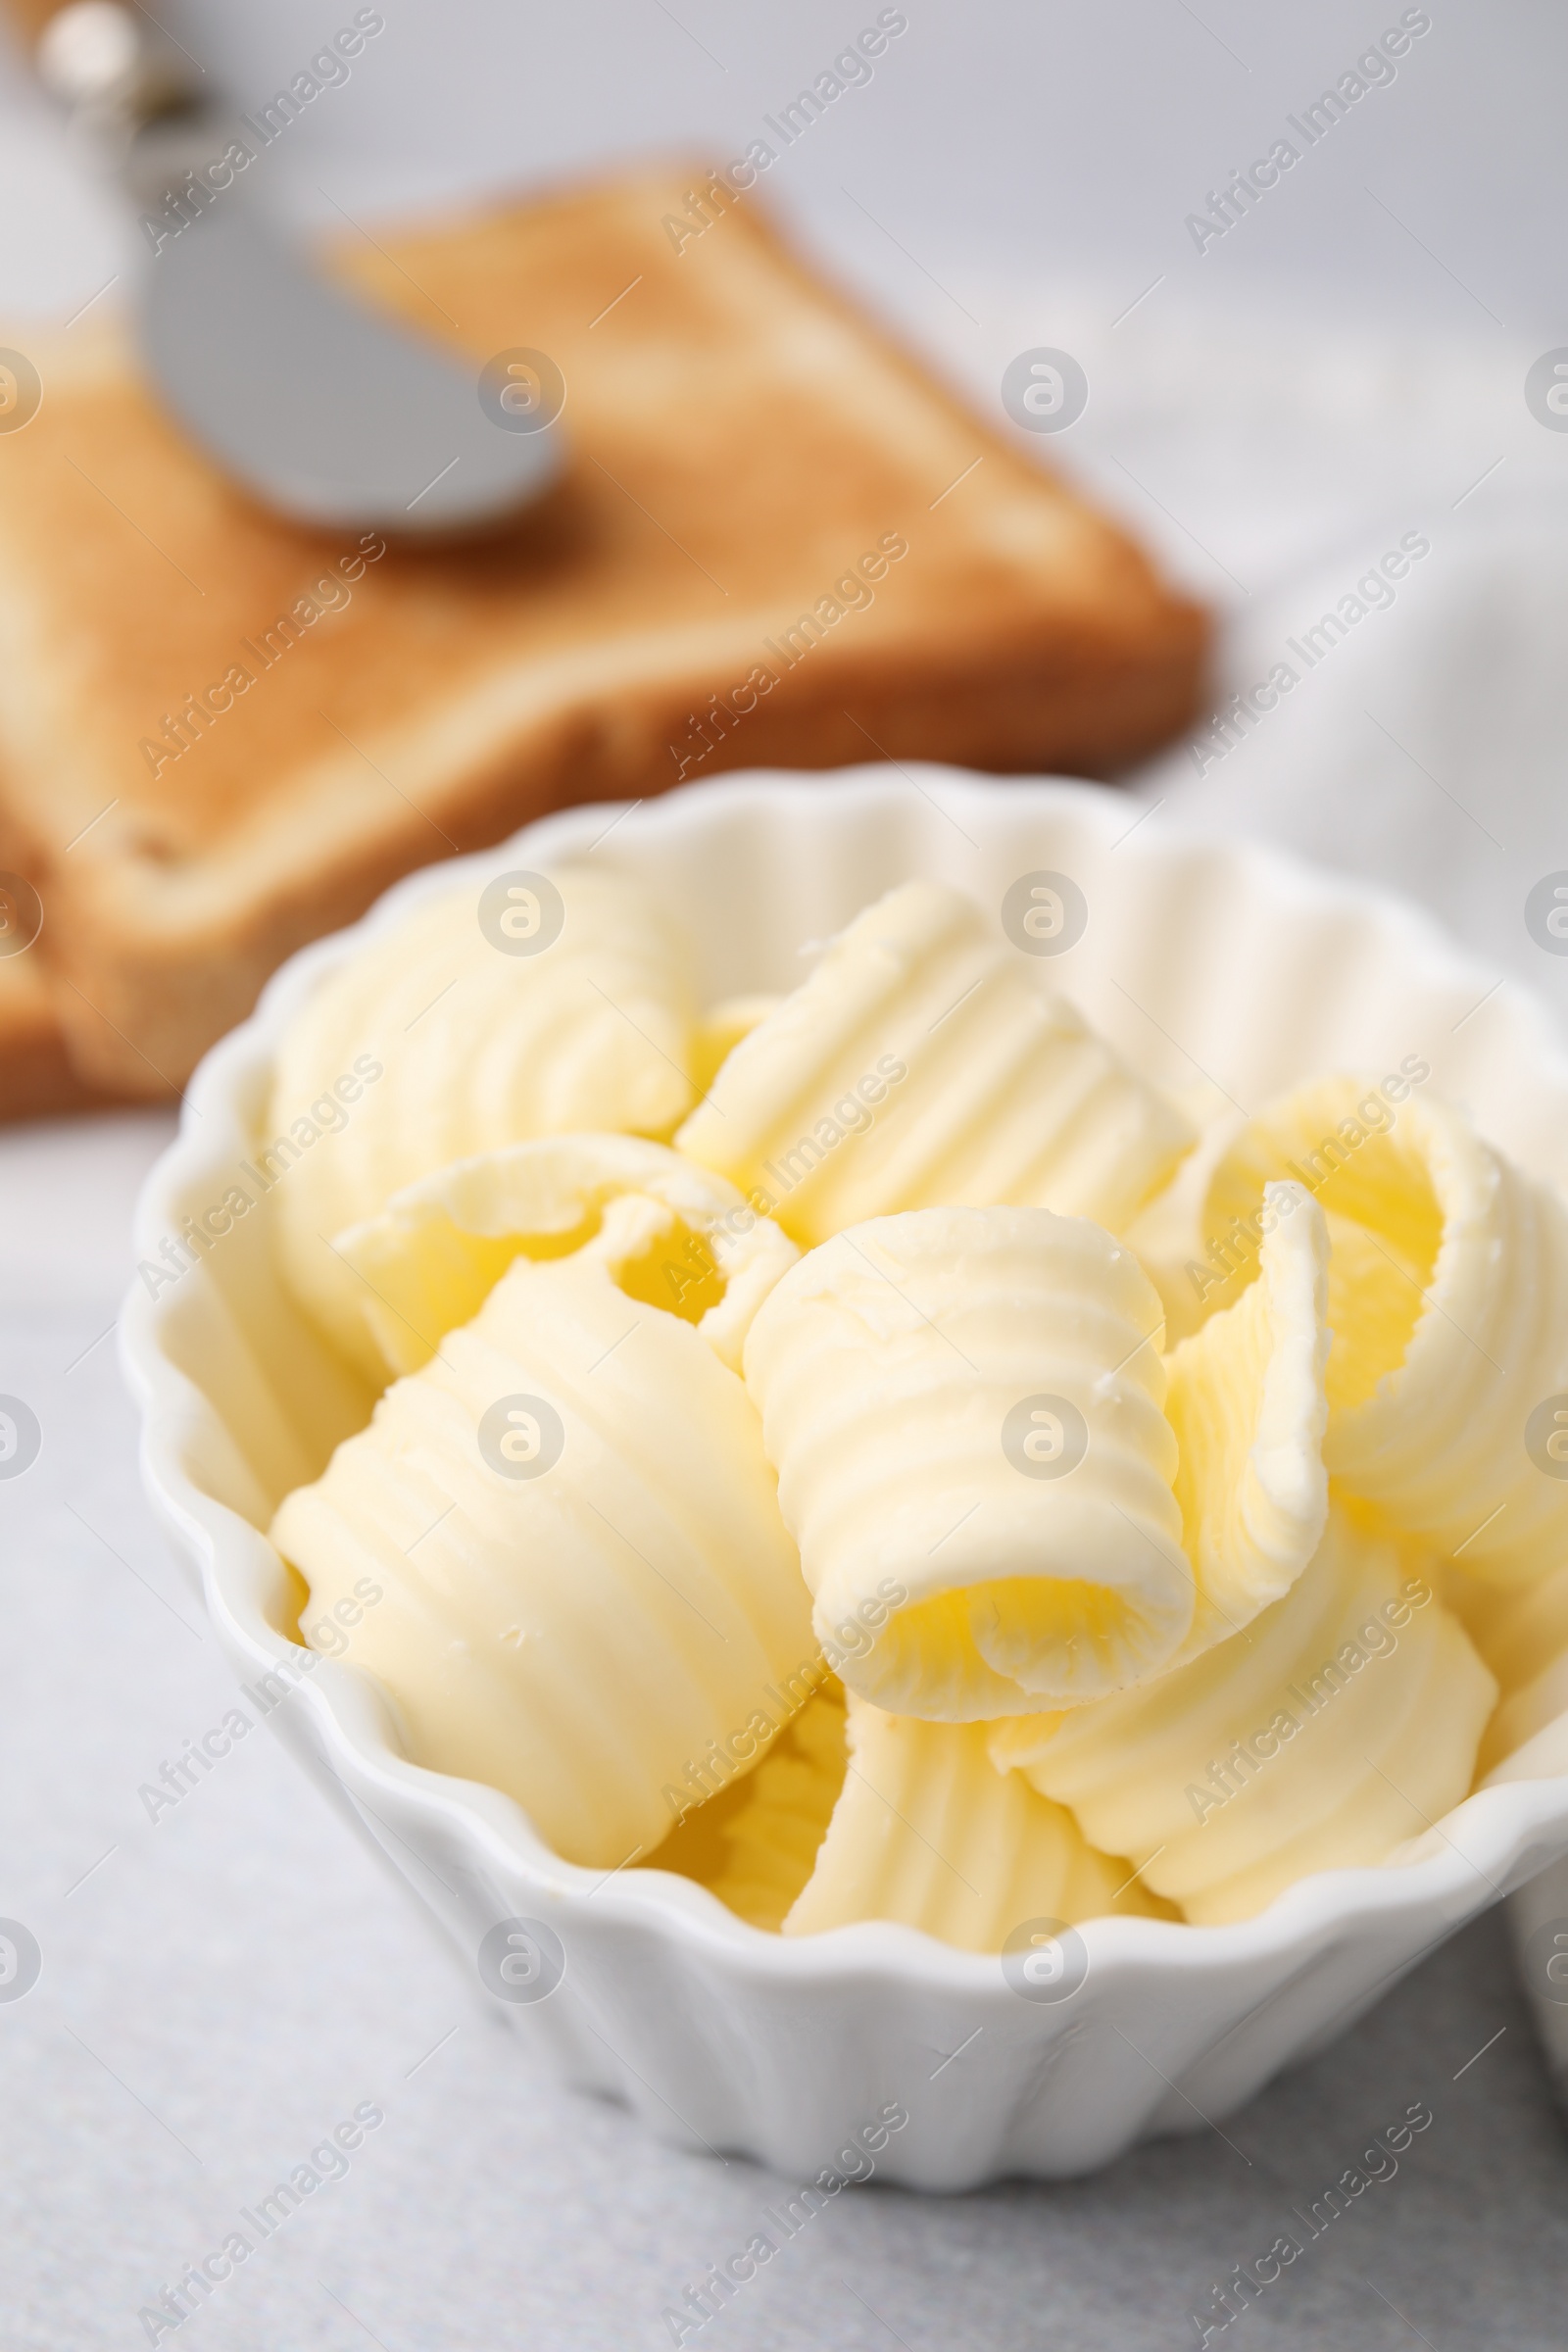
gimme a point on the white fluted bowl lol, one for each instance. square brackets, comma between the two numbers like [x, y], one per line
[1201, 958]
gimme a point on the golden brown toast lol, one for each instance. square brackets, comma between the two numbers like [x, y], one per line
[776, 542]
[37, 1076]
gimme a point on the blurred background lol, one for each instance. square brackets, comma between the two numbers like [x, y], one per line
[1269, 411]
[1345, 363]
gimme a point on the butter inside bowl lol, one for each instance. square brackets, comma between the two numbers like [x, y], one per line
[838, 1366]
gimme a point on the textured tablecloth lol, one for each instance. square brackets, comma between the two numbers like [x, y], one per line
[222, 1987]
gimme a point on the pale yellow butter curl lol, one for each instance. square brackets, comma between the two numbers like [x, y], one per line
[928, 1832]
[919, 1066]
[964, 1408]
[720, 1032]
[473, 1048]
[770, 1842]
[1342, 1722]
[429, 1259]
[1248, 1405]
[1448, 1301]
[582, 1638]
[1522, 1633]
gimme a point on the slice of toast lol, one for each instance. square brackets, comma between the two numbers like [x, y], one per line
[38, 1078]
[777, 542]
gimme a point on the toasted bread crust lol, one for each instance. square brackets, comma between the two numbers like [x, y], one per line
[37, 1079]
[739, 442]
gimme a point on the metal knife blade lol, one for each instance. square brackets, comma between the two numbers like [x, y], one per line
[316, 403]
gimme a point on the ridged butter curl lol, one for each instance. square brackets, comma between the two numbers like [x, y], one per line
[1448, 1301]
[1343, 1721]
[964, 1408]
[928, 1832]
[429, 1259]
[1522, 1633]
[768, 1844]
[1246, 1402]
[590, 1634]
[919, 1066]
[472, 1046]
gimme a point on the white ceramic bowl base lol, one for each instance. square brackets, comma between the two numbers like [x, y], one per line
[1204, 961]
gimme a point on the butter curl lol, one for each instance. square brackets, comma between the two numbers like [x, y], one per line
[964, 1409]
[1342, 1722]
[919, 1066]
[926, 1832]
[583, 1591]
[473, 1047]
[1448, 1302]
